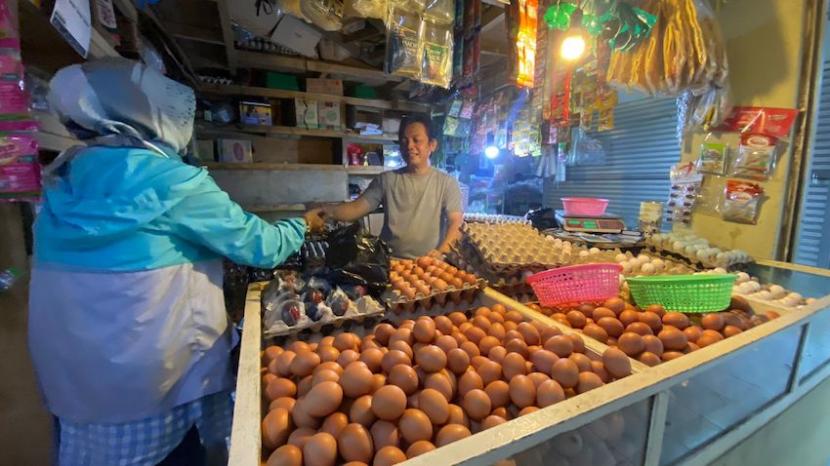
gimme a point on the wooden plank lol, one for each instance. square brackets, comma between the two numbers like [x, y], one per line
[231, 54]
[357, 171]
[246, 439]
[237, 90]
[53, 135]
[193, 33]
[290, 131]
[266, 61]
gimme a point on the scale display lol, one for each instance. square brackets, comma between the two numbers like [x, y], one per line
[605, 224]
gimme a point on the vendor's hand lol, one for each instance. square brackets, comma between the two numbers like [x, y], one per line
[315, 219]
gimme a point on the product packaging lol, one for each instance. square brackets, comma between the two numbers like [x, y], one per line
[365, 8]
[440, 11]
[403, 49]
[437, 43]
[685, 187]
[712, 158]
[756, 157]
[741, 202]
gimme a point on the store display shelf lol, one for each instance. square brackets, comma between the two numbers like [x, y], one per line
[356, 170]
[238, 90]
[266, 61]
[236, 130]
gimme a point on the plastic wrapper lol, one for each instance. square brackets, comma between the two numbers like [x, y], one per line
[357, 258]
[403, 49]
[325, 14]
[712, 159]
[437, 43]
[9, 33]
[756, 157]
[741, 202]
[440, 11]
[685, 187]
[365, 8]
[338, 302]
[586, 150]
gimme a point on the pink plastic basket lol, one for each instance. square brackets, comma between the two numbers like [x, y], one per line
[576, 283]
[584, 205]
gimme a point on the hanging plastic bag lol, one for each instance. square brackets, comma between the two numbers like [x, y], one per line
[440, 11]
[403, 49]
[756, 157]
[356, 258]
[436, 66]
[741, 202]
[712, 157]
[685, 187]
[325, 14]
[365, 9]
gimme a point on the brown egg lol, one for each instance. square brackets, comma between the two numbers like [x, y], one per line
[304, 386]
[275, 428]
[347, 357]
[565, 372]
[653, 345]
[300, 436]
[631, 343]
[538, 378]
[612, 326]
[676, 319]
[543, 360]
[378, 381]
[474, 334]
[389, 403]
[499, 393]
[476, 404]
[282, 363]
[419, 448]
[301, 417]
[470, 348]
[451, 433]
[530, 333]
[598, 368]
[346, 340]
[548, 332]
[320, 450]
[548, 393]
[415, 425]
[458, 416]
[286, 455]
[457, 318]
[576, 319]
[522, 391]
[616, 363]
[356, 380]
[443, 324]
[383, 332]
[692, 332]
[672, 338]
[649, 359]
[629, 317]
[329, 366]
[328, 353]
[304, 363]
[387, 456]
[287, 403]
[440, 382]
[712, 322]
[384, 434]
[498, 354]
[324, 399]
[372, 357]
[393, 358]
[492, 421]
[517, 346]
[446, 343]
[560, 345]
[596, 332]
[583, 363]
[497, 330]
[670, 355]
[652, 320]
[424, 330]
[708, 337]
[431, 358]
[528, 410]
[404, 377]
[731, 331]
[279, 388]
[656, 309]
[615, 304]
[588, 381]
[299, 346]
[691, 347]
[434, 405]
[355, 443]
[514, 316]
[361, 411]
[335, 423]
[639, 328]
[601, 312]
[514, 364]
[489, 371]
[487, 343]
[468, 381]
[578, 342]
[458, 360]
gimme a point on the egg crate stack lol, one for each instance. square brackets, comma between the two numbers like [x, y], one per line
[698, 251]
[426, 283]
[494, 218]
[750, 288]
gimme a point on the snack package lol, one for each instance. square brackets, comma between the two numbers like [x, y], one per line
[712, 158]
[440, 11]
[325, 14]
[685, 186]
[756, 157]
[365, 9]
[436, 65]
[741, 201]
[9, 33]
[403, 49]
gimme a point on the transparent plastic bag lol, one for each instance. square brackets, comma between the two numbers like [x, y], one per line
[325, 14]
[713, 156]
[741, 202]
[440, 11]
[403, 49]
[436, 65]
[756, 157]
[365, 9]
[685, 188]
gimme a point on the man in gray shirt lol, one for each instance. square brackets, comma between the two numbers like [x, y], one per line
[422, 205]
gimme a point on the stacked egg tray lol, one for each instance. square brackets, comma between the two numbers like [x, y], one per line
[441, 294]
[697, 251]
[510, 248]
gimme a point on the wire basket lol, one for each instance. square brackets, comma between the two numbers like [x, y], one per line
[685, 293]
[576, 284]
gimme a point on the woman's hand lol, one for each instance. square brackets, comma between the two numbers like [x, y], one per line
[315, 219]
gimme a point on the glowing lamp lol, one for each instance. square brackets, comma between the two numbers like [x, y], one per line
[573, 47]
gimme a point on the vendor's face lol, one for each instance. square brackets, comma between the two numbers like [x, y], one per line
[417, 146]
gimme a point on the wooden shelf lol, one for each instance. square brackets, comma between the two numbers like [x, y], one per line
[289, 131]
[237, 90]
[52, 134]
[366, 171]
[266, 61]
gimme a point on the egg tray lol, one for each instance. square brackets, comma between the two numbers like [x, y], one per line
[697, 265]
[319, 326]
[467, 294]
[472, 254]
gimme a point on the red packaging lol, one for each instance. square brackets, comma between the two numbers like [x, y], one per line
[775, 122]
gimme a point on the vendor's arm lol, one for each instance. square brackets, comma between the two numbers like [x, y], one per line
[360, 207]
[209, 217]
[455, 217]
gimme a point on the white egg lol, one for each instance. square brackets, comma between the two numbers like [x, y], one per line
[594, 250]
[743, 277]
[658, 264]
[643, 258]
[791, 301]
[620, 258]
[745, 288]
[719, 270]
[626, 267]
[755, 286]
[648, 269]
[795, 296]
[763, 295]
[678, 246]
[583, 253]
[736, 289]
[810, 301]
[777, 291]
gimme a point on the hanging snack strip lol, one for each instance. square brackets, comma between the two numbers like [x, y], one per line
[741, 200]
[685, 187]
[756, 157]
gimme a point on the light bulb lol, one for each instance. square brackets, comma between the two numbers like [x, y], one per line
[491, 152]
[573, 47]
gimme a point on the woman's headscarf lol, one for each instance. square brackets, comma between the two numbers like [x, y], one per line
[125, 101]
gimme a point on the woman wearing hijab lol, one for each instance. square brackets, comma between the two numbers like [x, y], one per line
[127, 327]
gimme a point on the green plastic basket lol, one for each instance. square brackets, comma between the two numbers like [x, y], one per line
[685, 293]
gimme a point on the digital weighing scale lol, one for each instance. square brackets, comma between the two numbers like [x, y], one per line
[607, 223]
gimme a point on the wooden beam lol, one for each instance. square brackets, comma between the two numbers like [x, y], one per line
[231, 53]
[266, 61]
[194, 33]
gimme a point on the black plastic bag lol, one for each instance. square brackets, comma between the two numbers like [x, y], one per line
[357, 258]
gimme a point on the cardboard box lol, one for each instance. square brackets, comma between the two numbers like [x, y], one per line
[296, 35]
[364, 119]
[235, 150]
[324, 86]
[255, 113]
[306, 112]
[205, 150]
[293, 150]
[329, 115]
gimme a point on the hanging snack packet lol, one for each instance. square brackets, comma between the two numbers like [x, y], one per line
[756, 157]
[712, 158]
[440, 11]
[403, 50]
[740, 202]
[436, 66]
[685, 186]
